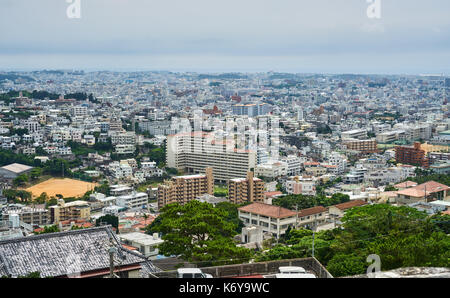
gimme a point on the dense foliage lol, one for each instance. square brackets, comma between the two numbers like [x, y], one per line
[304, 202]
[401, 236]
[199, 232]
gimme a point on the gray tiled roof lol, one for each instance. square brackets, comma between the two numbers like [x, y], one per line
[60, 254]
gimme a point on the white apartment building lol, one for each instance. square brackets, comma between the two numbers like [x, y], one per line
[272, 169]
[120, 170]
[133, 200]
[338, 160]
[125, 149]
[415, 131]
[148, 165]
[123, 138]
[294, 165]
[303, 186]
[79, 111]
[380, 128]
[194, 152]
[354, 134]
[64, 151]
[356, 175]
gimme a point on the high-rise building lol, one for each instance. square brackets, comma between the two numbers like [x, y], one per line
[412, 155]
[183, 189]
[252, 109]
[194, 152]
[249, 189]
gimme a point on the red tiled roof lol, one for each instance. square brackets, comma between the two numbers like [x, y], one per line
[432, 186]
[272, 193]
[419, 190]
[405, 184]
[311, 163]
[311, 211]
[268, 210]
[350, 204]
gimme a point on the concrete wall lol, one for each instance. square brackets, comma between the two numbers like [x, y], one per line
[263, 268]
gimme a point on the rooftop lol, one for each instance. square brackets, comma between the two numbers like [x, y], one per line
[268, 210]
[350, 204]
[17, 168]
[63, 253]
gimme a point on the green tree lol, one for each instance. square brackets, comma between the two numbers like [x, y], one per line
[390, 188]
[42, 199]
[35, 173]
[232, 215]
[199, 232]
[48, 229]
[20, 180]
[108, 219]
[347, 265]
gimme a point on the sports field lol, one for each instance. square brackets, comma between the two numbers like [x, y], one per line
[65, 187]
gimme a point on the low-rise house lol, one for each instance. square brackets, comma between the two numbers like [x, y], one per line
[425, 192]
[147, 245]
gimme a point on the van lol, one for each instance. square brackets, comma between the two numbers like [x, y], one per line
[192, 273]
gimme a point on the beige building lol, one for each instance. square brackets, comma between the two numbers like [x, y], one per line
[272, 219]
[69, 211]
[183, 189]
[193, 152]
[248, 189]
[312, 217]
[29, 215]
[363, 146]
[425, 192]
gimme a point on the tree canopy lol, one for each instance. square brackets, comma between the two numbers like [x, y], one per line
[199, 232]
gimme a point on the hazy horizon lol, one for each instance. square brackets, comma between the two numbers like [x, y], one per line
[302, 36]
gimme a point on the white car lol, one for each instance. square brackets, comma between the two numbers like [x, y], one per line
[291, 272]
[192, 273]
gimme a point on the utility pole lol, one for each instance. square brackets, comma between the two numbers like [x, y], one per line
[314, 237]
[425, 192]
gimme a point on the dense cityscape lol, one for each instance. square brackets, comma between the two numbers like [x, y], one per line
[139, 174]
[220, 148]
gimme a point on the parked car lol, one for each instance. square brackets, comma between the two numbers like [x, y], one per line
[192, 273]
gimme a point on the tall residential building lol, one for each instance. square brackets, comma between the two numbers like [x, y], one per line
[183, 189]
[412, 155]
[252, 109]
[250, 189]
[363, 146]
[69, 211]
[194, 152]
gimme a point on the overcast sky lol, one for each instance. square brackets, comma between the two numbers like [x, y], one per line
[331, 36]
